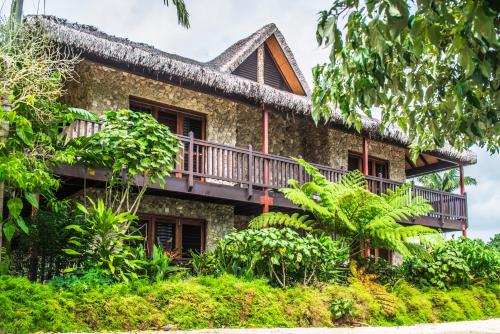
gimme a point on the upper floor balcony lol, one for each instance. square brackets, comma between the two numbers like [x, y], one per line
[242, 177]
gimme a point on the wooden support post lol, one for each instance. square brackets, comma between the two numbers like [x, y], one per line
[465, 223]
[441, 209]
[250, 172]
[365, 155]
[380, 183]
[190, 161]
[462, 182]
[376, 255]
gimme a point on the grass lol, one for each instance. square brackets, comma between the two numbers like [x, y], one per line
[226, 301]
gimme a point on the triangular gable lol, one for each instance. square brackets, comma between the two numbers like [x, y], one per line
[240, 58]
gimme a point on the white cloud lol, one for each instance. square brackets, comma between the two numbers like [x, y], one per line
[219, 23]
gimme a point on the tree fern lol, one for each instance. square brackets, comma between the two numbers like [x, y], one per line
[295, 221]
[347, 208]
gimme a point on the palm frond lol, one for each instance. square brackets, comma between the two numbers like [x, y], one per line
[296, 221]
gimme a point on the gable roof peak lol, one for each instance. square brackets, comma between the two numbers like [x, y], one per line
[233, 56]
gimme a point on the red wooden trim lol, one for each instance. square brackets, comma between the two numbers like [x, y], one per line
[365, 156]
[462, 180]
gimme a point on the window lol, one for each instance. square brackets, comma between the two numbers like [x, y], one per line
[175, 234]
[179, 121]
[376, 167]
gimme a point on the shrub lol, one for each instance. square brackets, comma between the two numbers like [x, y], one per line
[282, 256]
[341, 308]
[444, 268]
[457, 262]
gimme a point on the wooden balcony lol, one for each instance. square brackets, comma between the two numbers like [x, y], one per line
[237, 176]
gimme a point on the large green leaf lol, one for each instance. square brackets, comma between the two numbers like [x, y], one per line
[15, 206]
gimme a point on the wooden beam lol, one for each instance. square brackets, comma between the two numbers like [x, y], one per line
[284, 66]
[423, 159]
[365, 155]
[411, 163]
[432, 168]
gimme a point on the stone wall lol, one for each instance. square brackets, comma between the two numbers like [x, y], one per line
[229, 122]
[219, 218]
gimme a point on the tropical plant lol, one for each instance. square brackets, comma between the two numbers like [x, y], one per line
[483, 261]
[204, 263]
[104, 242]
[431, 67]
[282, 256]
[445, 267]
[32, 71]
[447, 181]
[157, 266]
[342, 308]
[347, 208]
[137, 149]
[495, 242]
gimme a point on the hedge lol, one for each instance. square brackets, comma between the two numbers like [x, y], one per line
[226, 301]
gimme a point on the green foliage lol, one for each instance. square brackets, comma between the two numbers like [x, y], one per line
[341, 308]
[156, 267]
[457, 262]
[40, 254]
[385, 272]
[132, 145]
[224, 302]
[282, 256]
[483, 261]
[295, 221]
[430, 67]
[204, 263]
[447, 181]
[103, 242]
[349, 209]
[495, 242]
[32, 71]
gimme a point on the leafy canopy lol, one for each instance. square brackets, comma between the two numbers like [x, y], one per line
[430, 66]
[448, 181]
[347, 208]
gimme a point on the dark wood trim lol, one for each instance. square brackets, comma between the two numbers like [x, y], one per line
[424, 160]
[432, 168]
[178, 222]
[411, 163]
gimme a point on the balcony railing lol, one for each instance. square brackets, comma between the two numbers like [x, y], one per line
[246, 168]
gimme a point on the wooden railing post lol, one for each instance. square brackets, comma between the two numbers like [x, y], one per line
[380, 183]
[190, 161]
[441, 209]
[250, 172]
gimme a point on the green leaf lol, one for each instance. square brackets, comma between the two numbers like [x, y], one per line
[70, 251]
[9, 229]
[31, 198]
[22, 225]
[25, 132]
[82, 208]
[15, 206]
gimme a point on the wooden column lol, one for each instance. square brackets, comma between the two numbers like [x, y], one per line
[365, 155]
[265, 200]
[462, 192]
[365, 171]
[462, 177]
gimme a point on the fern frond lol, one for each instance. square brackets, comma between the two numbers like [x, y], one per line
[295, 221]
[83, 114]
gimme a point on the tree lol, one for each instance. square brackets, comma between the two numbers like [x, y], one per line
[448, 181]
[431, 66]
[347, 208]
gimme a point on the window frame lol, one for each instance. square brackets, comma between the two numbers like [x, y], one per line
[180, 113]
[371, 160]
[179, 222]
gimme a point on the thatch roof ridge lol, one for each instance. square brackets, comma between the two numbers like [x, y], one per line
[89, 41]
[234, 55]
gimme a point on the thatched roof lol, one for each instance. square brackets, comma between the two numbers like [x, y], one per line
[233, 56]
[213, 76]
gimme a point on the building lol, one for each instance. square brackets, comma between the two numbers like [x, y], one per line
[241, 116]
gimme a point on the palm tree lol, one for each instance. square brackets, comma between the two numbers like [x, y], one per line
[448, 181]
[180, 5]
[347, 208]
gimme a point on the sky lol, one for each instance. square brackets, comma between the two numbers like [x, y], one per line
[217, 24]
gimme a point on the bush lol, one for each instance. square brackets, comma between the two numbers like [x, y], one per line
[456, 263]
[227, 301]
[282, 256]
